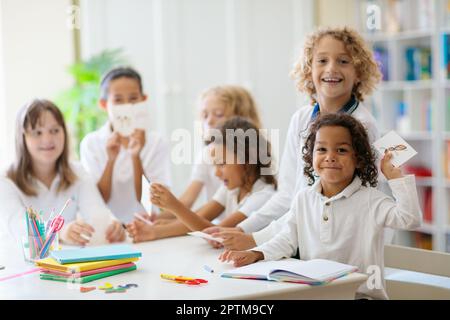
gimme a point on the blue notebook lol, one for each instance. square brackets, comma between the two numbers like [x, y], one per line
[108, 252]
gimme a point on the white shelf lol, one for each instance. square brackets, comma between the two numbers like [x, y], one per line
[426, 182]
[446, 183]
[399, 36]
[407, 85]
[418, 135]
[426, 228]
[445, 83]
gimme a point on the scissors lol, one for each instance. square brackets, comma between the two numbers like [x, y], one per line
[184, 280]
[57, 223]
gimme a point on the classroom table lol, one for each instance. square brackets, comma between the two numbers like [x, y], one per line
[184, 256]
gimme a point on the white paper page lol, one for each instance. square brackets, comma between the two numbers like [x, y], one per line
[400, 149]
[319, 269]
[204, 235]
[263, 268]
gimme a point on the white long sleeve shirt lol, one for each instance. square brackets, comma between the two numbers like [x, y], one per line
[252, 201]
[347, 227]
[205, 173]
[87, 205]
[155, 158]
[291, 178]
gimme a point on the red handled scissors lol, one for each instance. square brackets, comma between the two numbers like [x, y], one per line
[184, 280]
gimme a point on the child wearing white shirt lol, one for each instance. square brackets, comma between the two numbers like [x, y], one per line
[237, 150]
[217, 104]
[43, 178]
[118, 163]
[337, 70]
[342, 216]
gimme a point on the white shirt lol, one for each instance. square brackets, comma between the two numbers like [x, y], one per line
[87, 205]
[252, 201]
[291, 178]
[205, 173]
[348, 227]
[155, 162]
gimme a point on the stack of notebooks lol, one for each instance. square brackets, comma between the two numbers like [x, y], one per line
[88, 264]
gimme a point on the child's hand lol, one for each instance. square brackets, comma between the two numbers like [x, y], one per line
[115, 232]
[137, 142]
[241, 258]
[211, 231]
[235, 240]
[140, 231]
[389, 171]
[113, 146]
[74, 231]
[161, 196]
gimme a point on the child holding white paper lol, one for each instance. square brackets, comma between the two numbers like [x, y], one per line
[242, 159]
[342, 216]
[122, 153]
[43, 177]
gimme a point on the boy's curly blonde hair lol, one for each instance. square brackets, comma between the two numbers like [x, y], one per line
[362, 58]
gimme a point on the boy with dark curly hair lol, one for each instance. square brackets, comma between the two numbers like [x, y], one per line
[341, 217]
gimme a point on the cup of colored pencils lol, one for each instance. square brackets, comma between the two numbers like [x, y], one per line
[42, 235]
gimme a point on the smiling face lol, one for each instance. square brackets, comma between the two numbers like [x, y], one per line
[227, 168]
[333, 72]
[334, 158]
[45, 142]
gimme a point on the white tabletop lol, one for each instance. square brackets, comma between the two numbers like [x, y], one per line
[183, 256]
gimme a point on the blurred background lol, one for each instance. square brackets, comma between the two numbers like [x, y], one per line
[58, 49]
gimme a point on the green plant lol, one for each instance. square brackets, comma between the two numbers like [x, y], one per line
[79, 104]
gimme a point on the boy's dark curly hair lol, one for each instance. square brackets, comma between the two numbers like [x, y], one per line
[365, 156]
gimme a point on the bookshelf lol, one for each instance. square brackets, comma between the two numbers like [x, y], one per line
[413, 49]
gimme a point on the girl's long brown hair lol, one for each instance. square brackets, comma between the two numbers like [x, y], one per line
[21, 171]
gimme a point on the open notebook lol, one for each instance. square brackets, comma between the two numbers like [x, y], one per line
[313, 272]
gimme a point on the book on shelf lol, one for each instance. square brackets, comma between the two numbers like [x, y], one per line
[313, 272]
[424, 13]
[447, 13]
[394, 16]
[428, 205]
[382, 58]
[445, 56]
[420, 15]
[423, 240]
[418, 63]
[447, 160]
[417, 118]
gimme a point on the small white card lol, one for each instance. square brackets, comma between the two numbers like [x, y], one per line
[126, 118]
[203, 235]
[400, 149]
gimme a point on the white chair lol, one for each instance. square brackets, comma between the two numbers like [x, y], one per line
[416, 273]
